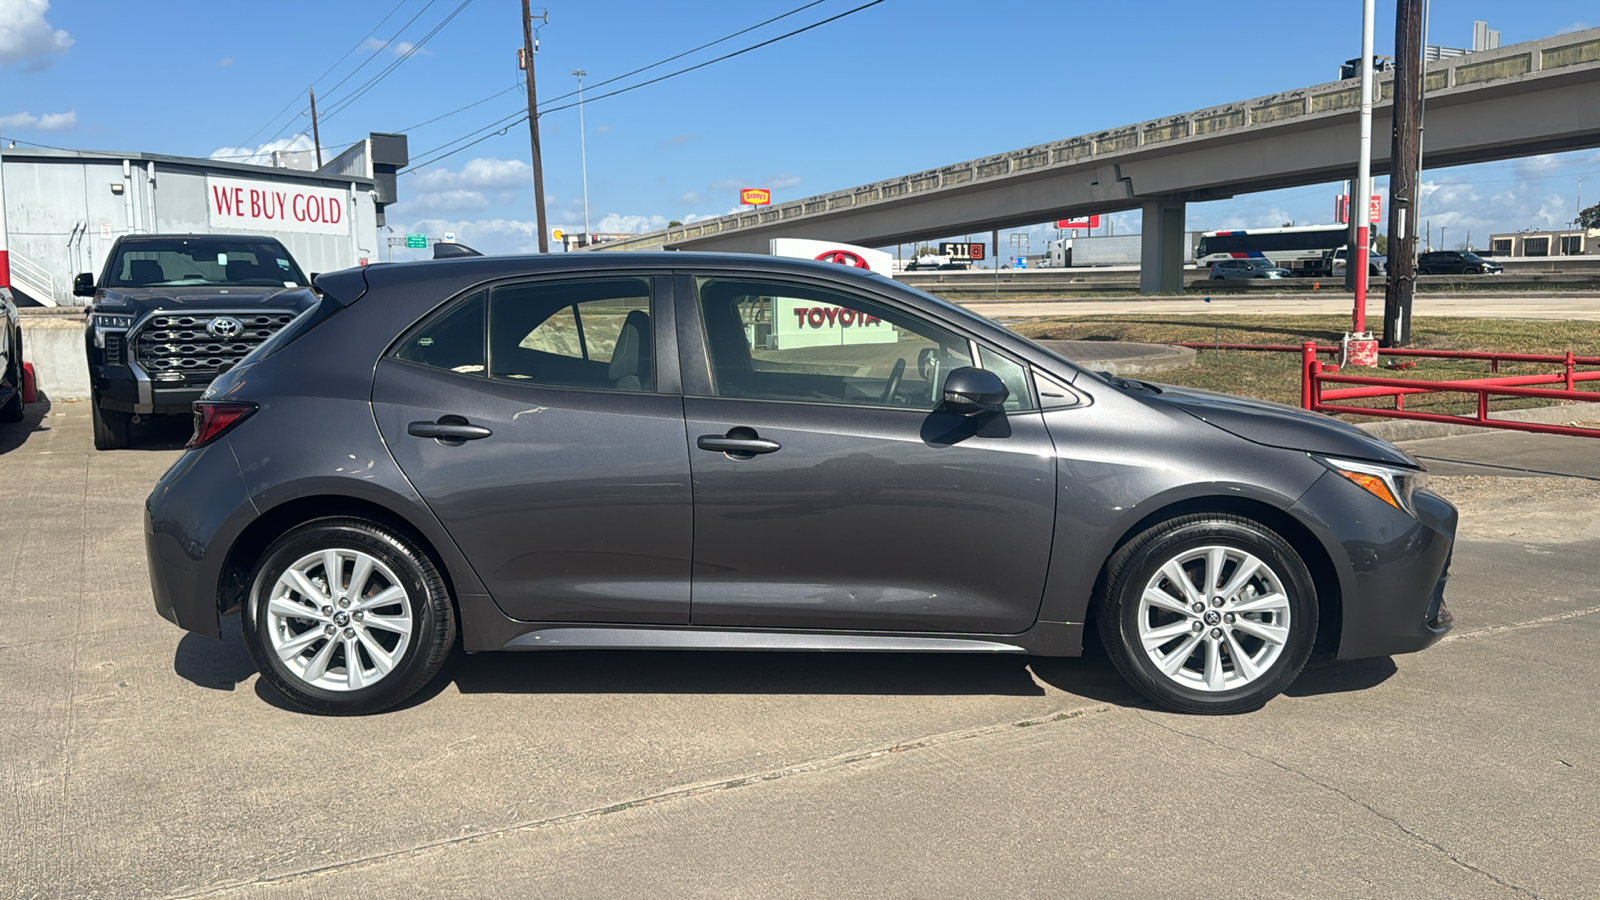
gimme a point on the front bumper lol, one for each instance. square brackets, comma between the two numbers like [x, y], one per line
[1392, 567]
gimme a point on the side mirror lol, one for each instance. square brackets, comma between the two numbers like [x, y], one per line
[83, 285]
[969, 392]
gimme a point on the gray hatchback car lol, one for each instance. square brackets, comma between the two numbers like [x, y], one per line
[714, 452]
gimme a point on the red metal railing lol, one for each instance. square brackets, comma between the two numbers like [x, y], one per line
[1314, 375]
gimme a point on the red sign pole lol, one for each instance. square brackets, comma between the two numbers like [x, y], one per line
[1359, 321]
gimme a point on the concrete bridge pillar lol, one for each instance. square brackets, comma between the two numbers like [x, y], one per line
[1162, 250]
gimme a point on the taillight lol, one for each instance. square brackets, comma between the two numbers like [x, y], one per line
[213, 419]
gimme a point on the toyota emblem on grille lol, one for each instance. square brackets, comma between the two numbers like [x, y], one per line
[224, 327]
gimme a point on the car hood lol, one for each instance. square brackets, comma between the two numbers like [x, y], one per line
[141, 300]
[1276, 425]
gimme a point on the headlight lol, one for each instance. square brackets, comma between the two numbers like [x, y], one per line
[104, 322]
[1394, 485]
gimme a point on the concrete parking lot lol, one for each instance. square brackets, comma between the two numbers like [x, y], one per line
[137, 761]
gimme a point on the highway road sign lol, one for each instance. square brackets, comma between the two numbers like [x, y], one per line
[416, 242]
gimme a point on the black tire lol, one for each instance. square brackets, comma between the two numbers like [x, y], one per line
[12, 410]
[426, 600]
[111, 427]
[1139, 563]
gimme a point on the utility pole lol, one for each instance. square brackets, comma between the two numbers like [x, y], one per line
[583, 154]
[315, 137]
[528, 50]
[1403, 155]
[1359, 209]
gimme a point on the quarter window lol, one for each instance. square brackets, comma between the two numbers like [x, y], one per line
[452, 339]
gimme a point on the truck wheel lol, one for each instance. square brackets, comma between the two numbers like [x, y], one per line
[110, 427]
[346, 617]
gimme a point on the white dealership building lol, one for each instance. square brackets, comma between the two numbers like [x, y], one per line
[61, 210]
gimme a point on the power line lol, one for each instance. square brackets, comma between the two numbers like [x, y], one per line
[656, 80]
[726, 56]
[523, 117]
[411, 51]
[409, 128]
[335, 65]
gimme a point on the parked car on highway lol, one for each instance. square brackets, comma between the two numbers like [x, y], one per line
[1232, 269]
[171, 312]
[11, 378]
[1456, 262]
[695, 451]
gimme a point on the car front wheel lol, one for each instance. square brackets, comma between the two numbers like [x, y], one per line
[1208, 614]
[346, 617]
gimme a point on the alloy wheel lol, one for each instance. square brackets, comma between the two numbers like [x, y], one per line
[339, 619]
[1214, 618]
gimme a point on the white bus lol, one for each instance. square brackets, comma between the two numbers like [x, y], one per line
[1303, 250]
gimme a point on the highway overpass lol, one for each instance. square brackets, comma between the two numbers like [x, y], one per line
[1519, 100]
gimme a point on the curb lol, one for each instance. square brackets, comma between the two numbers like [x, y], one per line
[1400, 430]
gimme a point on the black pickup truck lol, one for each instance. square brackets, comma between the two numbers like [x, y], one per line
[172, 312]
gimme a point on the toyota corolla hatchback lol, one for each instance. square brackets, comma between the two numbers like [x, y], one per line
[730, 452]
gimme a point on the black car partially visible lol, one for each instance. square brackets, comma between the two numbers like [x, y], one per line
[172, 312]
[10, 359]
[1456, 262]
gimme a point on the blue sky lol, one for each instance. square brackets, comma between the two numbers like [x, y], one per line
[902, 86]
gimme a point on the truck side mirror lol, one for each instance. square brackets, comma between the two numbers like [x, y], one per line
[83, 285]
[970, 391]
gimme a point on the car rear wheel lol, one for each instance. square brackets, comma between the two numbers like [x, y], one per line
[1208, 614]
[110, 427]
[346, 617]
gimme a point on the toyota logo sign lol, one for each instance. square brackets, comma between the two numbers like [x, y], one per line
[843, 258]
[225, 327]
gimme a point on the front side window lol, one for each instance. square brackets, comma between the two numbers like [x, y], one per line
[773, 340]
[591, 333]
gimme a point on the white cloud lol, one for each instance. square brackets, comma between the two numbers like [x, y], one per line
[483, 172]
[692, 198]
[26, 121]
[25, 35]
[225, 62]
[398, 48]
[1575, 26]
[66, 121]
[604, 129]
[441, 201]
[262, 155]
[615, 223]
[782, 182]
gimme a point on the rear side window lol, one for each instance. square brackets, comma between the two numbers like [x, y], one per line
[590, 333]
[451, 339]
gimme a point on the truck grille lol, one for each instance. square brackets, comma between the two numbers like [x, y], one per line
[190, 349]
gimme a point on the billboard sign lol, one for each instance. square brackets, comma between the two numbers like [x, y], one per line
[268, 206]
[1091, 222]
[755, 197]
[961, 250]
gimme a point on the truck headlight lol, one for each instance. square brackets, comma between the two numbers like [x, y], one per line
[1394, 485]
[104, 322]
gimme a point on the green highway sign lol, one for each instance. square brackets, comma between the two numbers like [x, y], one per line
[416, 242]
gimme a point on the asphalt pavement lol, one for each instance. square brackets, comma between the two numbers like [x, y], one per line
[137, 761]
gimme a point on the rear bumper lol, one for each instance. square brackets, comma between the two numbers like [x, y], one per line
[187, 535]
[1392, 567]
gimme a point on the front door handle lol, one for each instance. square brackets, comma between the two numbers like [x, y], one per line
[451, 430]
[738, 443]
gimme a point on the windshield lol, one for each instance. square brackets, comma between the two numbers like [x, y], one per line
[190, 262]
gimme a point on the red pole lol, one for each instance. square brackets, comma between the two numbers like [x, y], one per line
[1308, 355]
[1359, 320]
[1316, 372]
[1569, 370]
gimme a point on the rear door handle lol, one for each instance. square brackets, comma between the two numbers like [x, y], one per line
[448, 430]
[739, 443]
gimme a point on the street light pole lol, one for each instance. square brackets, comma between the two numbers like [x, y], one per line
[583, 153]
